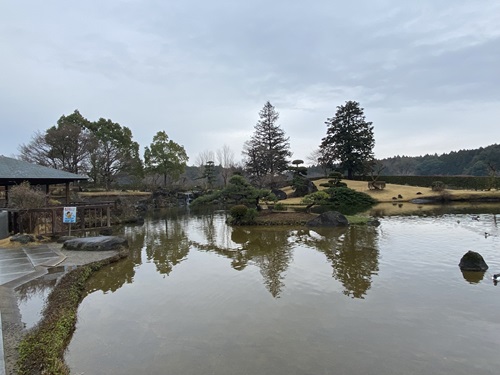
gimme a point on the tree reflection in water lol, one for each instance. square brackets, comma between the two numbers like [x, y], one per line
[353, 253]
[113, 276]
[267, 248]
[166, 244]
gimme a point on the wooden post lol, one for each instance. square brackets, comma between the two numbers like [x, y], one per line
[6, 195]
[82, 217]
[67, 192]
[54, 221]
[108, 214]
[47, 194]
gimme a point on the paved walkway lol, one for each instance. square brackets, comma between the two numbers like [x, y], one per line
[19, 264]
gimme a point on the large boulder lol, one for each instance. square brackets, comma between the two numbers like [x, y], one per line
[22, 238]
[473, 261]
[100, 243]
[280, 194]
[329, 219]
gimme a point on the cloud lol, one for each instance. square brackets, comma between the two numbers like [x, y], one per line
[201, 71]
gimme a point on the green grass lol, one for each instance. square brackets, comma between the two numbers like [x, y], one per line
[358, 220]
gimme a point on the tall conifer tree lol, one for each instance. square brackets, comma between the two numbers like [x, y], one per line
[349, 140]
[268, 150]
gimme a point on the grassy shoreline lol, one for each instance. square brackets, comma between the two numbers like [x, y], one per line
[41, 350]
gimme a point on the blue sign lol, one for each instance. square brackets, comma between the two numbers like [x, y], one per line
[69, 215]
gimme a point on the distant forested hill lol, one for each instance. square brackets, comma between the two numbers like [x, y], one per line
[478, 162]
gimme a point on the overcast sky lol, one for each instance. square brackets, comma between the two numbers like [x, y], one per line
[427, 73]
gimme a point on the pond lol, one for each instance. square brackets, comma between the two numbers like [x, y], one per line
[196, 296]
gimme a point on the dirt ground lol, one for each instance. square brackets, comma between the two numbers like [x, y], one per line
[285, 217]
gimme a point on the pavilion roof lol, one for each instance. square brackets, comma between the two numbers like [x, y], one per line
[14, 171]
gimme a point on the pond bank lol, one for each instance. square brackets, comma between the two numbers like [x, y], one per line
[13, 329]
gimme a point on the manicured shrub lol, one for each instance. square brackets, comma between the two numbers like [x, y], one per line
[238, 212]
[280, 207]
[343, 199]
[242, 215]
[438, 186]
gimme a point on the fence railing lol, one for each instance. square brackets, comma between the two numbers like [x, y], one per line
[49, 220]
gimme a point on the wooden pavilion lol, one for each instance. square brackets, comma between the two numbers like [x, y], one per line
[14, 172]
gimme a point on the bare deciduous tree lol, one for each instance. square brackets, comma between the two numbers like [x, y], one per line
[225, 157]
[204, 157]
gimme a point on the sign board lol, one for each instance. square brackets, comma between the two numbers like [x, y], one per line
[69, 215]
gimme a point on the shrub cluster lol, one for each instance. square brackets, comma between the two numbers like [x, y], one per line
[242, 215]
[342, 199]
[23, 196]
[438, 186]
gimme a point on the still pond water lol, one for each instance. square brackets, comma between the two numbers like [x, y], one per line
[197, 297]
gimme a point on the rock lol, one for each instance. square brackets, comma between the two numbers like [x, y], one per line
[311, 188]
[473, 277]
[472, 261]
[22, 238]
[100, 243]
[280, 194]
[373, 222]
[142, 206]
[63, 239]
[329, 219]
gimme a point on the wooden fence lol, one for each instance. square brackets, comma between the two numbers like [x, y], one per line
[49, 220]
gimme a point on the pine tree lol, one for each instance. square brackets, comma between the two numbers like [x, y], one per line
[349, 139]
[268, 149]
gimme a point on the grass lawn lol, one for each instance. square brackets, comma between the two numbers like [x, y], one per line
[113, 193]
[407, 192]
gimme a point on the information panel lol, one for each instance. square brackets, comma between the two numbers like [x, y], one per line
[69, 215]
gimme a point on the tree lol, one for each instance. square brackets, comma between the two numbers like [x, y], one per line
[65, 146]
[300, 182]
[349, 139]
[204, 157]
[37, 151]
[114, 152]
[209, 173]
[225, 157]
[268, 149]
[237, 191]
[165, 157]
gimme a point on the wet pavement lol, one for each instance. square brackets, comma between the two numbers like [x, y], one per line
[19, 264]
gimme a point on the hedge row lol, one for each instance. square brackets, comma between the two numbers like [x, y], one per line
[451, 182]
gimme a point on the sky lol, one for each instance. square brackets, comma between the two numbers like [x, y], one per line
[427, 73]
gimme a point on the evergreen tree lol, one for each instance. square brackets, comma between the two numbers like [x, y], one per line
[268, 149]
[349, 139]
[209, 173]
[165, 157]
[114, 152]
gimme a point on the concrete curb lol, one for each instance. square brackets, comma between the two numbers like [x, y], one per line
[2, 360]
